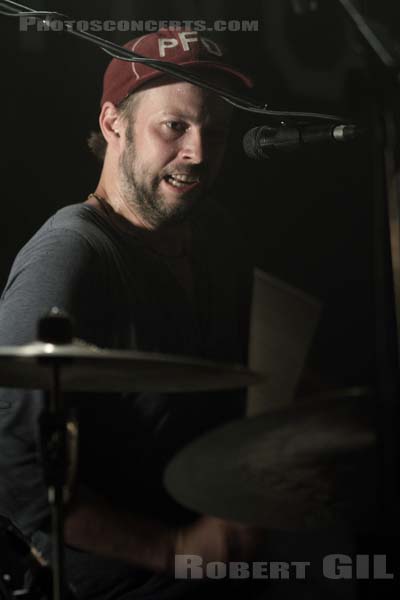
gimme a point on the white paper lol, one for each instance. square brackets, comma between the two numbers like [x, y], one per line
[282, 325]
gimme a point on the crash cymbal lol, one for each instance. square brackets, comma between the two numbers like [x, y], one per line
[85, 367]
[300, 468]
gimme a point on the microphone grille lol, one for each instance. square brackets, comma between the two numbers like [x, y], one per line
[251, 143]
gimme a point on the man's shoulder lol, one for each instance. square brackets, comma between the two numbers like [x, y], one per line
[81, 219]
[74, 239]
[75, 225]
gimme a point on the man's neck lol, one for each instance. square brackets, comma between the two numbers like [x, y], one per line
[172, 241]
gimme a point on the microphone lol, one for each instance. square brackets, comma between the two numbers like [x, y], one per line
[263, 142]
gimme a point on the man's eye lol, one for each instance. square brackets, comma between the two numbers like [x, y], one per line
[176, 126]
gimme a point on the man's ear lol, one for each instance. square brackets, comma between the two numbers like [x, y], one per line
[110, 122]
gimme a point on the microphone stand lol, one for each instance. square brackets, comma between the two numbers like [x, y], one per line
[56, 328]
[385, 112]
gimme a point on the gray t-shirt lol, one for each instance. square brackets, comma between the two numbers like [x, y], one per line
[93, 264]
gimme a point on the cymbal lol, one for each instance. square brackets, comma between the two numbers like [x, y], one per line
[84, 367]
[300, 468]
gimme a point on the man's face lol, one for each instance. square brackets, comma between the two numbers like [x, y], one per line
[173, 151]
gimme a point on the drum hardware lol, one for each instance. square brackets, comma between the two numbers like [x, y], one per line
[58, 362]
[24, 573]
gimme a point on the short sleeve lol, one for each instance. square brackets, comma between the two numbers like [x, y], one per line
[57, 267]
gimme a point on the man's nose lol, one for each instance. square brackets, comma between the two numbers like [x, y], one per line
[193, 147]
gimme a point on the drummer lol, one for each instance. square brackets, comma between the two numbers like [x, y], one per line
[151, 262]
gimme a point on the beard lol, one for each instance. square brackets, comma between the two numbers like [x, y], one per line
[142, 194]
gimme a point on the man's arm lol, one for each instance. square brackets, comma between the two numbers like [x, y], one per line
[94, 526]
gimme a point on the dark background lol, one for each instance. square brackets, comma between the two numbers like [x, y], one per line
[310, 218]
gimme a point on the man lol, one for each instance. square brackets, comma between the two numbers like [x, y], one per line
[147, 262]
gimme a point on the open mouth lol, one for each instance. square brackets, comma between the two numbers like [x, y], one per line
[182, 183]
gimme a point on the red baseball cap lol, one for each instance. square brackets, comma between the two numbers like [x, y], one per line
[182, 47]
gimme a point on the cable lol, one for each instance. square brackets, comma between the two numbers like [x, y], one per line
[121, 53]
[367, 33]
